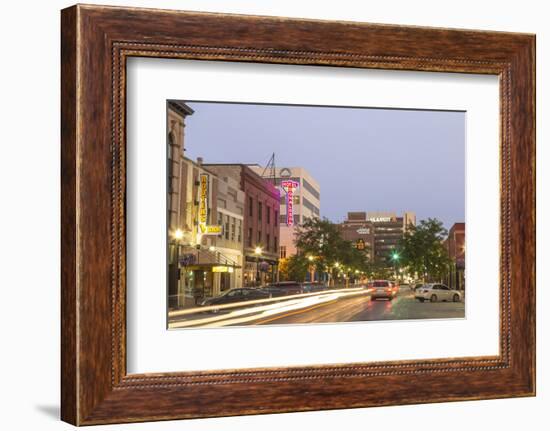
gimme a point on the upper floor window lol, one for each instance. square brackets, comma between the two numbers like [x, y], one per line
[259, 211]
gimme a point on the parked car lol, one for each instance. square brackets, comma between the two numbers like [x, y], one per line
[284, 288]
[435, 292]
[383, 289]
[417, 286]
[310, 287]
[236, 295]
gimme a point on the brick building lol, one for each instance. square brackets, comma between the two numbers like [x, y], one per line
[456, 247]
[261, 228]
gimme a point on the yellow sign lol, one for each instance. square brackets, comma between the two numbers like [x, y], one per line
[214, 230]
[203, 227]
[203, 200]
[222, 269]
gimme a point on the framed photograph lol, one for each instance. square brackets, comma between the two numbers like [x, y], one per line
[265, 215]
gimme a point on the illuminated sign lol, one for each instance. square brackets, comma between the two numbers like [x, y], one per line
[289, 186]
[203, 202]
[363, 231]
[203, 227]
[380, 219]
[213, 230]
[222, 269]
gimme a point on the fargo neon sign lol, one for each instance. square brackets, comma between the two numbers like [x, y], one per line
[289, 186]
[203, 227]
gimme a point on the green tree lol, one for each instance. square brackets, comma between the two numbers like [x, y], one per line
[297, 267]
[421, 250]
[321, 240]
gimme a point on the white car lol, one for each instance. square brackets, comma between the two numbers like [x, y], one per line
[434, 292]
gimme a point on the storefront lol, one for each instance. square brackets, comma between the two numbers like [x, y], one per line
[259, 271]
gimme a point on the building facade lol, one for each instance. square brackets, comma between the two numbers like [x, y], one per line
[261, 234]
[357, 229]
[377, 233]
[456, 247]
[305, 201]
[196, 268]
[388, 231]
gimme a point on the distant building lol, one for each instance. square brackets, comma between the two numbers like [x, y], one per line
[261, 234]
[305, 202]
[377, 233]
[357, 229]
[455, 246]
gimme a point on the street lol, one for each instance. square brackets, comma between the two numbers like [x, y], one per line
[344, 305]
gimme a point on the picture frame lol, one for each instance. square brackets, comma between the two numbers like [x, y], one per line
[96, 42]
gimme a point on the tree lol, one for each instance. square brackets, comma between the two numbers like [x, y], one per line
[421, 250]
[321, 241]
[293, 268]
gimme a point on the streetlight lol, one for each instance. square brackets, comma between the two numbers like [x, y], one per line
[178, 236]
[258, 252]
[311, 268]
[395, 257]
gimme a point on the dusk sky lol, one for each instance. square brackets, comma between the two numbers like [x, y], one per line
[363, 159]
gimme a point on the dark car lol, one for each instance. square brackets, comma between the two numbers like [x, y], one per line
[284, 288]
[237, 295]
[312, 287]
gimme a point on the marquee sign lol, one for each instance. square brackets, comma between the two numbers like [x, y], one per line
[203, 227]
[289, 186]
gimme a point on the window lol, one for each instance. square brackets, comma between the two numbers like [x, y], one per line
[226, 228]
[249, 239]
[310, 206]
[296, 218]
[259, 237]
[276, 218]
[296, 199]
[267, 242]
[259, 211]
[282, 218]
[275, 244]
[311, 189]
[240, 231]
[250, 206]
[283, 252]
[220, 219]
[232, 229]
[268, 214]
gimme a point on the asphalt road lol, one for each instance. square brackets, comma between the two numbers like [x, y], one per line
[344, 306]
[361, 308]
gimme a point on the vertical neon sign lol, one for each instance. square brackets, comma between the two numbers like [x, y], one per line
[203, 204]
[289, 186]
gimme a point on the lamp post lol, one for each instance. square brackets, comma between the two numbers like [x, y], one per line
[258, 253]
[311, 268]
[395, 259]
[178, 236]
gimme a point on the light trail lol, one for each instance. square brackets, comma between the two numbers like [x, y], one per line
[295, 303]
